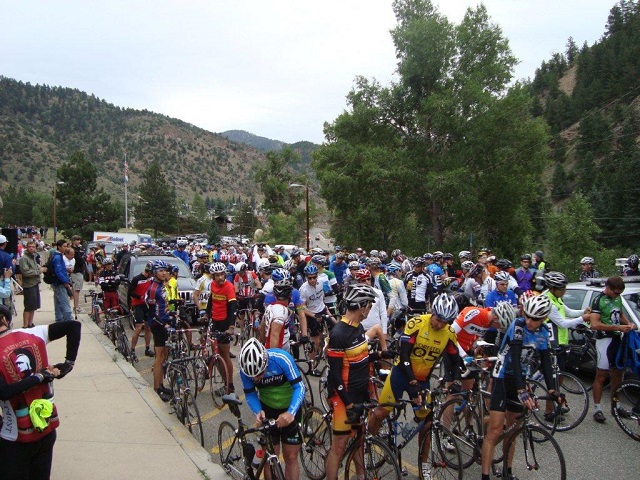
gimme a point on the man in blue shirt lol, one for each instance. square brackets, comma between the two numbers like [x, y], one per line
[61, 284]
[502, 292]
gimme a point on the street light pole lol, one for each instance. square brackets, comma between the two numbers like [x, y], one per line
[306, 205]
[55, 201]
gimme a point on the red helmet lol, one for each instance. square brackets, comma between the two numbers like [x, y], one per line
[363, 274]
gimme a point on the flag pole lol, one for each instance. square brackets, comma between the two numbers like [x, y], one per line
[126, 182]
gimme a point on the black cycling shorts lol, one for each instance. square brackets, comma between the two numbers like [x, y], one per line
[313, 327]
[160, 335]
[503, 396]
[140, 314]
[289, 435]
[222, 326]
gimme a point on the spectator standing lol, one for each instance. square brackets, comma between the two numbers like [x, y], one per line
[77, 276]
[61, 284]
[31, 271]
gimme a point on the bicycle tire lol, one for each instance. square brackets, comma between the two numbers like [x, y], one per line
[230, 451]
[465, 426]
[95, 315]
[192, 419]
[541, 391]
[323, 389]
[625, 399]
[316, 443]
[379, 461]
[308, 392]
[217, 381]
[199, 367]
[577, 401]
[444, 460]
[125, 348]
[531, 451]
[132, 323]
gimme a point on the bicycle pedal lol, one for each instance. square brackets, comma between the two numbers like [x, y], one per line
[404, 471]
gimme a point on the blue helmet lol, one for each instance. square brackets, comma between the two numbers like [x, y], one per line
[310, 269]
[231, 268]
[160, 265]
[280, 274]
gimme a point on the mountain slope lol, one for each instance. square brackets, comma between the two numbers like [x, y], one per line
[40, 126]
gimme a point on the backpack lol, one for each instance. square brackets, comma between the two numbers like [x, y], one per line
[49, 276]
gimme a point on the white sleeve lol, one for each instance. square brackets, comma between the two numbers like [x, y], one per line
[402, 295]
[557, 318]
[384, 320]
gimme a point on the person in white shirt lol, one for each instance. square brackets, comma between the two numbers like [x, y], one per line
[375, 323]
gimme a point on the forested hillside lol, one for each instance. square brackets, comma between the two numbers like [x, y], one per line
[40, 126]
[590, 97]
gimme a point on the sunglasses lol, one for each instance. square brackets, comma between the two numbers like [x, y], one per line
[617, 292]
[312, 277]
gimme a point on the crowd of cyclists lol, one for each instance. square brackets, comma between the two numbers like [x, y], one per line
[421, 311]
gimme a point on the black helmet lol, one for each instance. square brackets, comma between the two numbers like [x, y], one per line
[6, 313]
[503, 263]
[633, 261]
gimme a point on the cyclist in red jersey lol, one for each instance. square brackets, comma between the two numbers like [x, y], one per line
[223, 307]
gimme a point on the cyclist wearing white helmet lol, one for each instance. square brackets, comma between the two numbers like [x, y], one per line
[247, 284]
[348, 381]
[181, 252]
[202, 292]
[501, 292]
[509, 387]
[588, 269]
[222, 312]
[274, 389]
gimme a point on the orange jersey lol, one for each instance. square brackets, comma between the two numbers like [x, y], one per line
[473, 322]
[221, 295]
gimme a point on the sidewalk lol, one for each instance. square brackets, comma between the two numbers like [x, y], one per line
[112, 424]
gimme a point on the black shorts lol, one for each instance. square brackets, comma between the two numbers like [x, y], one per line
[313, 327]
[160, 335]
[289, 435]
[31, 298]
[140, 314]
[503, 394]
[222, 326]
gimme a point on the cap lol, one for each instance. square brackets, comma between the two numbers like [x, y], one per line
[3, 239]
[76, 237]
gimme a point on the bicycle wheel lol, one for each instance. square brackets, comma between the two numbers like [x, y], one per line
[125, 347]
[443, 454]
[316, 442]
[379, 462]
[533, 459]
[577, 401]
[199, 367]
[95, 314]
[625, 408]
[217, 381]
[230, 451]
[464, 425]
[322, 389]
[548, 412]
[132, 324]
[192, 419]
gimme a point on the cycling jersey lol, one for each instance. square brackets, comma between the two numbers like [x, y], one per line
[417, 285]
[494, 297]
[427, 345]
[313, 297]
[156, 300]
[338, 269]
[277, 313]
[203, 291]
[109, 280]
[381, 283]
[221, 296]
[327, 280]
[348, 358]
[137, 289]
[472, 322]
[246, 283]
[281, 386]
[295, 302]
[610, 310]
[585, 276]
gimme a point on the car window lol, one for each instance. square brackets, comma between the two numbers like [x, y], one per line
[574, 298]
[633, 300]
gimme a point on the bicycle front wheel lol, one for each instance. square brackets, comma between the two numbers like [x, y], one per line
[573, 413]
[534, 459]
[316, 442]
[322, 388]
[443, 460]
[191, 418]
[548, 412]
[465, 426]
[374, 461]
[625, 408]
[199, 367]
[218, 381]
[230, 451]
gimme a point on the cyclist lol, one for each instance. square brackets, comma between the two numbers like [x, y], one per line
[223, 307]
[398, 301]
[501, 292]
[135, 294]
[247, 284]
[277, 315]
[509, 394]
[526, 274]
[348, 380]
[631, 269]
[274, 389]
[312, 294]
[329, 283]
[159, 321]
[425, 339]
[609, 321]
[171, 285]
[588, 269]
[419, 286]
[376, 322]
[202, 292]
[180, 251]
[109, 280]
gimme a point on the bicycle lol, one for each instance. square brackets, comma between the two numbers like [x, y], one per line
[581, 352]
[625, 407]
[216, 369]
[316, 442]
[96, 304]
[237, 453]
[122, 341]
[182, 399]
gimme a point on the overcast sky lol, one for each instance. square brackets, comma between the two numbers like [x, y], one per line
[278, 69]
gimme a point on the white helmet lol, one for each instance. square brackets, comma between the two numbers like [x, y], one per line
[445, 308]
[501, 276]
[240, 266]
[217, 267]
[537, 307]
[253, 358]
[505, 313]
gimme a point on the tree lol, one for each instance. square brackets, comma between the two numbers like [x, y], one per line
[274, 178]
[156, 208]
[83, 207]
[198, 207]
[572, 50]
[448, 134]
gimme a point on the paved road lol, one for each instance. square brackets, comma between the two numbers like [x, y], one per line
[592, 451]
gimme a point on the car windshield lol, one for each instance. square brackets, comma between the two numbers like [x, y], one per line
[182, 273]
[633, 300]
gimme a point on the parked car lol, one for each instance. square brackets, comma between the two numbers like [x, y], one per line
[186, 282]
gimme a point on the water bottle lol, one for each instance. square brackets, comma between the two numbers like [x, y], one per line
[257, 458]
[179, 382]
[406, 430]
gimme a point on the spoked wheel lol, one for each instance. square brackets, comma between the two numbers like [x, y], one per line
[192, 419]
[378, 462]
[577, 398]
[443, 460]
[230, 451]
[308, 392]
[548, 412]
[625, 408]
[125, 348]
[217, 381]
[535, 459]
[465, 426]
[316, 442]
[323, 390]
[199, 367]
